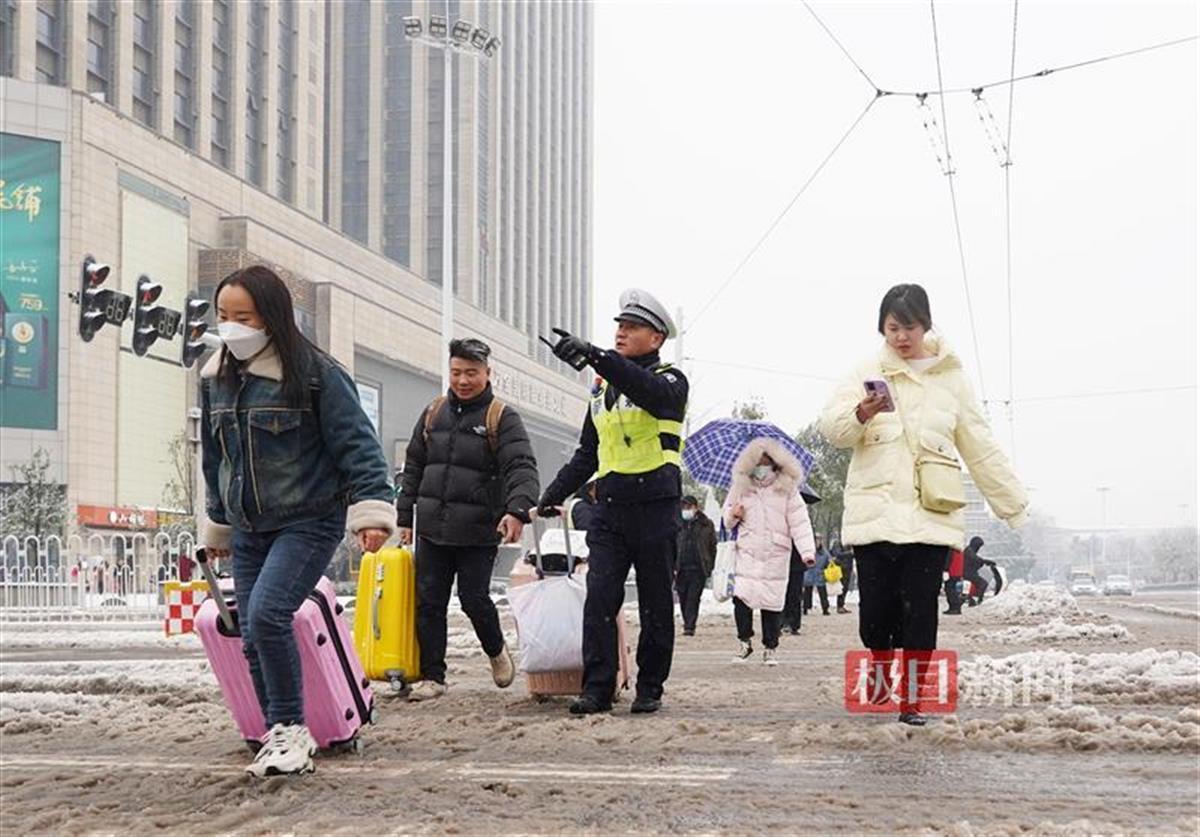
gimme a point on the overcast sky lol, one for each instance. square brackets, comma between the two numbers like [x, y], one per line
[709, 117]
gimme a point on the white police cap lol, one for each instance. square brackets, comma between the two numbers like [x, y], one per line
[641, 307]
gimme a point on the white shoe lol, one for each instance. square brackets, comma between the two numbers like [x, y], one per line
[769, 658]
[288, 750]
[503, 670]
[744, 653]
[426, 690]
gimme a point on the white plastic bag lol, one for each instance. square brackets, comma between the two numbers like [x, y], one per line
[724, 568]
[549, 616]
[833, 589]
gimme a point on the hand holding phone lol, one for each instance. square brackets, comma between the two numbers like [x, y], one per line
[878, 400]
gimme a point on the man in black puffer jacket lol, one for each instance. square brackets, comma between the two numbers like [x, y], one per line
[472, 476]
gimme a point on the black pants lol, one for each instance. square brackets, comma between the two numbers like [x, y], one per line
[437, 565]
[847, 580]
[792, 606]
[642, 536]
[743, 617]
[898, 588]
[824, 594]
[689, 586]
[980, 582]
[953, 597]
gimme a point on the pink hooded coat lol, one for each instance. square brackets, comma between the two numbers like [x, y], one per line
[775, 518]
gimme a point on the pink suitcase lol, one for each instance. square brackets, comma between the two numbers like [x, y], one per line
[546, 684]
[337, 695]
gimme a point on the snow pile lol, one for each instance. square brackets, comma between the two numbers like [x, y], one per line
[1056, 630]
[84, 636]
[1024, 603]
[1165, 611]
[1148, 676]
[167, 682]
[1080, 728]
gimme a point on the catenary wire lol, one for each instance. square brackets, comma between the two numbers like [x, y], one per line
[845, 51]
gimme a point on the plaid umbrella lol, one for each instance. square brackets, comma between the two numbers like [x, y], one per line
[710, 452]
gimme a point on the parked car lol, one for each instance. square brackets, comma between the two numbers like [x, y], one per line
[1118, 585]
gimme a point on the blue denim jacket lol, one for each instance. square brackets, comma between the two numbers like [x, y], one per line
[268, 464]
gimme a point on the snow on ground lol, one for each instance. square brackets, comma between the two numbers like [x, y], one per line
[1027, 604]
[1166, 611]
[1056, 630]
[1144, 677]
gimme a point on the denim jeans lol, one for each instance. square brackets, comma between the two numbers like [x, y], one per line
[273, 573]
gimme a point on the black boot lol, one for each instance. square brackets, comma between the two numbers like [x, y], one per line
[589, 705]
[644, 705]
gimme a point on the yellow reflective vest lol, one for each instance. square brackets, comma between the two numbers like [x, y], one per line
[631, 437]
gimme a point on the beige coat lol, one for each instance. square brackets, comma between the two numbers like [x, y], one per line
[937, 410]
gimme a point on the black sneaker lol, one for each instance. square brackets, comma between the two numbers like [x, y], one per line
[643, 705]
[913, 719]
[689, 631]
[588, 705]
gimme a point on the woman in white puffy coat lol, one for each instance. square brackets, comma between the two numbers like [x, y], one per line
[765, 506]
[904, 481]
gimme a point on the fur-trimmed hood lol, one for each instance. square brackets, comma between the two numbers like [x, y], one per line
[265, 364]
[789, 476]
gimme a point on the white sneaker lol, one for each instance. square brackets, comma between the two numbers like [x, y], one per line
[769, 658]
[744, 653]
[426, 690]
[288, 750]
[503, 670]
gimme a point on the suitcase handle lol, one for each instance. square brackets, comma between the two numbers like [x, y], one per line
[572, 561]
[214, 590]
[375, 628]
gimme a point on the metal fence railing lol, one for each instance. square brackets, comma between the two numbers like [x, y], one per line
[90, 577]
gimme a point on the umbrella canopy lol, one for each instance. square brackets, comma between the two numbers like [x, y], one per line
[711, 451]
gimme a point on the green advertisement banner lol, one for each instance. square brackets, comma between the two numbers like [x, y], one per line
[29, 297]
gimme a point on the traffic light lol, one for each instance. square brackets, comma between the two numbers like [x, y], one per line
[151, 320]
[194, 328]
[97, 305]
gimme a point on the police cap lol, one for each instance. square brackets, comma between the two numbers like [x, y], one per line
[638, 306]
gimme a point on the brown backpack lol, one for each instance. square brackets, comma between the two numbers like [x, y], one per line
[491, 421]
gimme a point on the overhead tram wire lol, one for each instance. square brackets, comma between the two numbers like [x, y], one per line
[845, 51]
[1114, 393]
[1012, 72]
[779, 218]
[962, 256]
[1045, 72]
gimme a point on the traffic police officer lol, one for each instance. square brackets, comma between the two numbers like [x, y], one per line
[632, 439]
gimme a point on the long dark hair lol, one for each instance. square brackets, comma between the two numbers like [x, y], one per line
[274, 303]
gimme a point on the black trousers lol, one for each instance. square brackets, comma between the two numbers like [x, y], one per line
[743, 617]
[953, 597]
[793, 609]
[981, 584]
[822, 591]
[847, 580]
[437, 566]
[898, 588]
[640, 535]
[689, 586]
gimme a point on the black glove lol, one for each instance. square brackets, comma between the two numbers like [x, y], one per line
[572, 350]
[547, 510]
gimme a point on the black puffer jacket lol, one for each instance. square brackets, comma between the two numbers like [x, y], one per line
[460, 488]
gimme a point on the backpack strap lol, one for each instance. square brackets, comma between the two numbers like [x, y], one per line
[435, 407]
[491, 421]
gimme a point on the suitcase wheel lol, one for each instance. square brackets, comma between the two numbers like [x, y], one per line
[540, 698]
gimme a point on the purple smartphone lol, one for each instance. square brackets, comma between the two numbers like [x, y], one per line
[881, 388]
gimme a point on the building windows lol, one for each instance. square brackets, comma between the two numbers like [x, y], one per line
[285, 146]
[355, 81]
[185, 72]
[397, 140]
[222, 81]
[99, 48]
[145, 98]
[8, 21]
[51, 41]
[256, 91]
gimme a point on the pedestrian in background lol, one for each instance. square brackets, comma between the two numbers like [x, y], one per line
[845, 559]
[694, 556]
[793, 603]
[814, 577]
[765, 505]
[908, 415]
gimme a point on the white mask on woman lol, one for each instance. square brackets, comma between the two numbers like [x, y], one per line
[244, 342]
[761, 472]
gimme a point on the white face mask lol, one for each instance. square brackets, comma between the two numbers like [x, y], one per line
[688, 514]
[761, 472]
[244, 342]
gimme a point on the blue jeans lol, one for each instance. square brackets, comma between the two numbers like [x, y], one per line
[273, 573]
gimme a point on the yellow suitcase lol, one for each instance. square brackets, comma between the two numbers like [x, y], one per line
[385, 617]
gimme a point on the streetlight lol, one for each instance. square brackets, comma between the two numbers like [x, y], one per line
[475, 42]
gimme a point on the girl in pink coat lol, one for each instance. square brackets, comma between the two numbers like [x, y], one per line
[765, 505]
